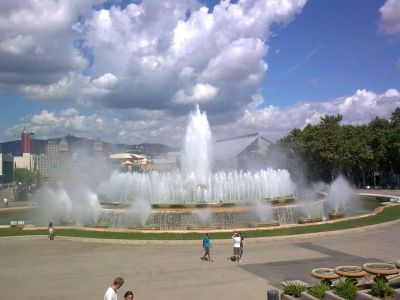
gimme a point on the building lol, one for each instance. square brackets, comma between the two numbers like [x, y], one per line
[6, 168]
[63, 158]
[168, 162]
[26, 160]
[47, 164]
[130, 162]
[98, 149]
[26, 141]
[240, 152]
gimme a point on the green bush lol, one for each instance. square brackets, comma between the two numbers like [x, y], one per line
[346, 289]
[380, 288]
[293, 289]
[318, 290]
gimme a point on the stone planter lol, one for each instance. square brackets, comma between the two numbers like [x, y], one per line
[307, 296]
[396, 294]
[365, 295]
[288, 297]
[329, 295]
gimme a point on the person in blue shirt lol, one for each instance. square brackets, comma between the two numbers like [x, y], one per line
[207, 247]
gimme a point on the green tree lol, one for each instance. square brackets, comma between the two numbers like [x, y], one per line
[24, 176]
[393, 148]
[327, 143]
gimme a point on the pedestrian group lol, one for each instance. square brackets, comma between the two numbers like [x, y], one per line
[238, 245]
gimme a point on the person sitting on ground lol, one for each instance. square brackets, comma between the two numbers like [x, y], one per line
[111, 293]
[128, 295]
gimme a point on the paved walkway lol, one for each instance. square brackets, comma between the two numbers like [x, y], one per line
[36, 268]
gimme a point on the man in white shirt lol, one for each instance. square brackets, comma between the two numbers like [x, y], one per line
[111, 293]
[5, 202]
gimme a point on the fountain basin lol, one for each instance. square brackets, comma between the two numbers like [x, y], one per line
[333, 215]
[310, 220]
[224, 215]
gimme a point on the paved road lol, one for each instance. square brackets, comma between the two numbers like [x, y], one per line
[36, 268]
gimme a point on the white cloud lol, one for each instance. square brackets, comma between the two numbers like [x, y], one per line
[17, 45]
[390, 17]
[37, 41]
[56, 124]
[201, 93]
[273, 122]
[136, 125]
[152, 55]
[106, 81]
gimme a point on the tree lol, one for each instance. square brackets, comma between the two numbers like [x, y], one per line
[24, 176]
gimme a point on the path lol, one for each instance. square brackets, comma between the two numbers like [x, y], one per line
[35, 268]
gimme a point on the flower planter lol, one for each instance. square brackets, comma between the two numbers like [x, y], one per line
[307, 296]
[365, 295]
[288, 297]
[329, 295]
[396, 294]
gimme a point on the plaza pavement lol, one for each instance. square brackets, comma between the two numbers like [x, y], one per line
[68, 268]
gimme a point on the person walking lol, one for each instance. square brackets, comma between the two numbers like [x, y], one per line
[236, 246]
[111, 293]
[207, 247]
[5, 200]
[128, 295]
[241, 246]
[51, 231]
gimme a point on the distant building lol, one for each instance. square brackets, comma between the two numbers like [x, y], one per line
[168, 162]
[63, 158]
[240, 152]
[26, 160]
[130, 162]
[26, 141]
[47, 164]
[98, 149]
[6, 168]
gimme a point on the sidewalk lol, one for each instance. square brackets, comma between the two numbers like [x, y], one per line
[79, 269]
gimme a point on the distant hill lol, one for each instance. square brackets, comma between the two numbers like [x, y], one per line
[85, 145]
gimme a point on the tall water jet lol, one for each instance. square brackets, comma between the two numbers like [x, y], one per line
[340, 195]
[77, 203]
[196, 158]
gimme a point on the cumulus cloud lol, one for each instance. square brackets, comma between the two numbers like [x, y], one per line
[200, 93]
[37, 42]
[134, 126]
[273, 122]
[148, 55]
[390, 17]
[105, 81]
[55, 124]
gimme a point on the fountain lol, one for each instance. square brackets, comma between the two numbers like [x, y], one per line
[194, 195]
[191, 197]
[340, 198]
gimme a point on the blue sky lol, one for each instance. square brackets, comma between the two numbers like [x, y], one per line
[131, 71]
[331, 49]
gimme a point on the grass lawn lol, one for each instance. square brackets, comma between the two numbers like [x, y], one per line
[390, 213]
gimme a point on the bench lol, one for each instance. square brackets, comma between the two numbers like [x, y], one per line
[17, 223]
